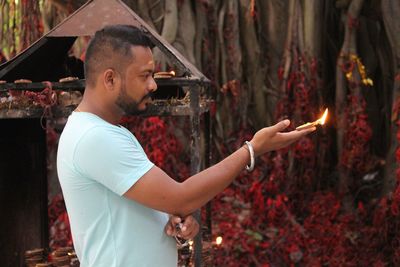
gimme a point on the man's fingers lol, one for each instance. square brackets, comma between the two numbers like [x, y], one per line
[176, 219]
[280, 126]
[170, 228]
[189, 228]
[188, 222]
[189, 233]
[295, 135]
[307, 131]
[301, 133]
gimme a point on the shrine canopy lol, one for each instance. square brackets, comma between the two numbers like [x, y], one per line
[47, 59]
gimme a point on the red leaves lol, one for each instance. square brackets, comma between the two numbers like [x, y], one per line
[234, 88]
[353, 22]
[361, 209]
[46, 98]
[252, 8]
[275, 236]
[161, 145]
[398, 154]
[304, 148]
[281, 72]
[379, 216]
[395, 206]
[295, 254]
[256, 190]
[60, 233]
[355, 153]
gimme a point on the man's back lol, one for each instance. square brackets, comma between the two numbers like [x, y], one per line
[97, 163]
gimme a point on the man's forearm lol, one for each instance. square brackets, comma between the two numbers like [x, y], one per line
[203, 186]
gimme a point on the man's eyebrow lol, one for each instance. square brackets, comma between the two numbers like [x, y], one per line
[147, 71]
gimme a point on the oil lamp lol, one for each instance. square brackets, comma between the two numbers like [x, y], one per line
[320, 121]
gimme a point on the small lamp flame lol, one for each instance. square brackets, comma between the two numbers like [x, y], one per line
[172, 73]
[323, 118]
[320, 121]
[218, 240]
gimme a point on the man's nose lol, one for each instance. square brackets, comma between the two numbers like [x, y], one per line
[152, 85]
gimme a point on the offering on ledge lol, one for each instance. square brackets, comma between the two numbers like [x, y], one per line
[164, 74]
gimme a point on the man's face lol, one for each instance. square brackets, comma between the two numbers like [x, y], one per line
[137, 83]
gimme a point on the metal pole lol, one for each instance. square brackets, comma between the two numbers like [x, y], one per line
[195, 160]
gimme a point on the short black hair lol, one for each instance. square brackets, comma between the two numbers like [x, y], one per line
[110, 46]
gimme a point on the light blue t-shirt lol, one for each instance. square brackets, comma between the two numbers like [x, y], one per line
[97, 163]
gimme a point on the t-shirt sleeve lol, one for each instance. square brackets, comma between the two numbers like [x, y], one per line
[112, 158]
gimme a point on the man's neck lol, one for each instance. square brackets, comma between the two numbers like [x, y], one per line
[93, 104]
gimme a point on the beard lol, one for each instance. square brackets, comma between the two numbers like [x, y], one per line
[130, 106]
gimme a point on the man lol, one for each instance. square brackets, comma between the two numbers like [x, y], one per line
[117, 200]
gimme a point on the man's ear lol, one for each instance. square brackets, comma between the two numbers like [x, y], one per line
[110, 79]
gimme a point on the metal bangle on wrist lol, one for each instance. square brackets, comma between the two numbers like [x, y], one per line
[250, 167]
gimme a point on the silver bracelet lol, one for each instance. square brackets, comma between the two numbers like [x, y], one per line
[252, 160]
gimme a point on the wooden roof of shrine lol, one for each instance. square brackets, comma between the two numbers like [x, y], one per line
[46, 59]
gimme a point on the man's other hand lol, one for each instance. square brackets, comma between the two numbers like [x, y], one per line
[188, 230]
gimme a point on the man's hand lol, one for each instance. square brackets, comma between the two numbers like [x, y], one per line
[189, 229]
[271, 138]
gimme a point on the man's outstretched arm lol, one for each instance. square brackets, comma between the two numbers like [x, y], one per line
[157, 190]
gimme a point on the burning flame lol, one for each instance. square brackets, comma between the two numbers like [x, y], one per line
[218, 240]
[320, 121]
[172, 73]
[323, 118]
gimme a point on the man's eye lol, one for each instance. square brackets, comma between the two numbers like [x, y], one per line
[148, 75]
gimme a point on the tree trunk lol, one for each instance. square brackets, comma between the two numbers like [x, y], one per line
[143, 10]
[254, 72]
[169, 31]
[273, 31]
[312, 17]
[390, 14]
[348, 48]
[184, 42]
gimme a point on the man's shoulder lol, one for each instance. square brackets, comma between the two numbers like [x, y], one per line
[77, 129]
[84, 121]
[86, 125]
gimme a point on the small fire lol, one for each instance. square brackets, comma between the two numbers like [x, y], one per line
[218, 240]
[320, 121]
[172, 72]
[323, 118]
